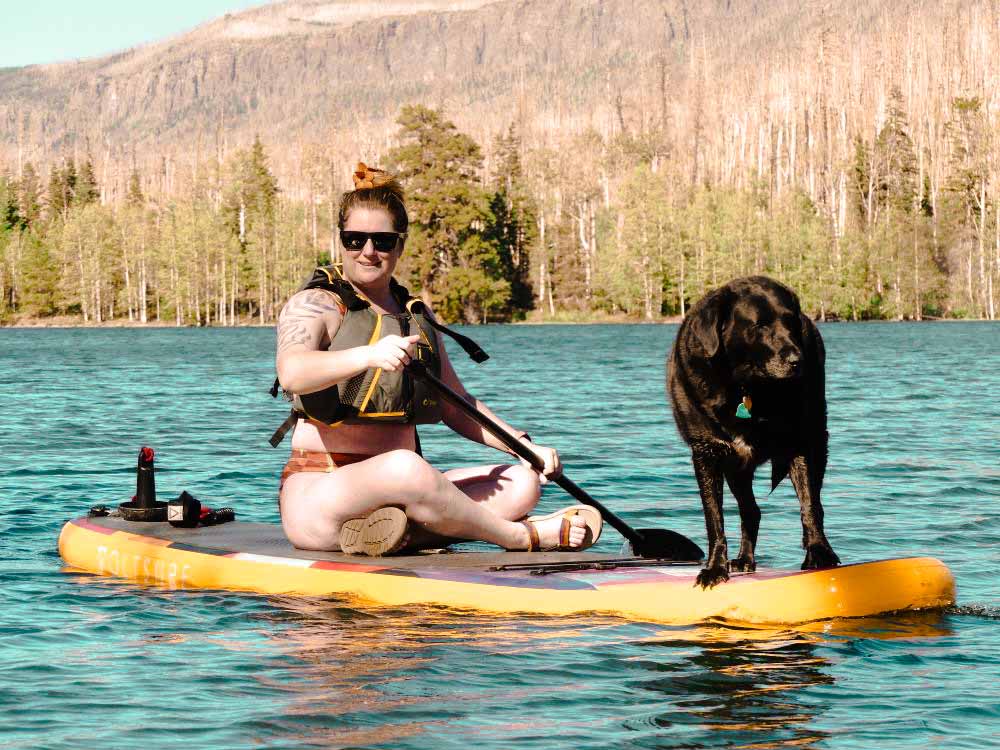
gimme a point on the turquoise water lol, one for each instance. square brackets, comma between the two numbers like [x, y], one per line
[90, 662]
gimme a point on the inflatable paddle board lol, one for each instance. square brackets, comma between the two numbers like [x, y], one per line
[257, 557]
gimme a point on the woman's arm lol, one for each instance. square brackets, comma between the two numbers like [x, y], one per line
[307, 323]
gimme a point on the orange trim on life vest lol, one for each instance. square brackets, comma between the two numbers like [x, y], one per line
[409, 309]
[378, 372]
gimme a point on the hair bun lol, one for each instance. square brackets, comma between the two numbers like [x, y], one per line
[368, 178]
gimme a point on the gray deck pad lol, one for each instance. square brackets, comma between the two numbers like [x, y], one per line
[269, 539]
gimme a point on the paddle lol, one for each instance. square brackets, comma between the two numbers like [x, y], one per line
[650, 543]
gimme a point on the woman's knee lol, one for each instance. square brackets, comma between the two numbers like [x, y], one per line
[409, 474]
[526, 489]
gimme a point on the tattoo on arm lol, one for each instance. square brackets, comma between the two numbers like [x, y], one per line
[296, 324]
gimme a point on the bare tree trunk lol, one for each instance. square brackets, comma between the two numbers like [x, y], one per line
[681, 292]
[128, 277]
[586, 239]
[222, 296]
[543, 260]
[981, 246]
[143, 289]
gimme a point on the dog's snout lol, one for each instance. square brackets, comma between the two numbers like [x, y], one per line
[791, 360]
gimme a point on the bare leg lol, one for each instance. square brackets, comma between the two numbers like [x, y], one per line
[509, 491]
[314, 505]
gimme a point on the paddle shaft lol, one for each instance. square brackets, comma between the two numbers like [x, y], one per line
[417, 369]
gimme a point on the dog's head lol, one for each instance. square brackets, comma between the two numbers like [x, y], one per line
[754, 326]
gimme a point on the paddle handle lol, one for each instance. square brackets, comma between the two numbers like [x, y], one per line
[419, 370]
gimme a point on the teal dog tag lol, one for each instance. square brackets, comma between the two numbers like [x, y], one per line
[743, 410]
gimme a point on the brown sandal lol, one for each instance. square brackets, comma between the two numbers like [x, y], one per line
[382, 532]
[591, 517]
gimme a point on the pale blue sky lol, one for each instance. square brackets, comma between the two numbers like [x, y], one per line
[42, 31]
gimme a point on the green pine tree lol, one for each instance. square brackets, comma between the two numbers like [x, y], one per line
[56, 195]
[134, 198]
[514, 227]
[451, 259]
[86, 190]
[29, 195]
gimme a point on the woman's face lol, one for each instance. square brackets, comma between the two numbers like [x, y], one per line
[369, 267]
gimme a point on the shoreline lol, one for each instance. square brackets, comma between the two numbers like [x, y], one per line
[68, 322]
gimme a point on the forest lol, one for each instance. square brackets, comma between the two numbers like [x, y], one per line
[865, 178]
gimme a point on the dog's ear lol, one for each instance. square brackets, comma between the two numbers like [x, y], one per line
[707, 319]
[812, 342]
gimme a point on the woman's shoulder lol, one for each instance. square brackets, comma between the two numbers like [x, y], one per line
[309, 320]
[316, 300]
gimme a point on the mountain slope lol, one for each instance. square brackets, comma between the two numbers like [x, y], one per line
[305, 66]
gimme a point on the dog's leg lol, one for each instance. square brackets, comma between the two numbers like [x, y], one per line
[741, 485]
[807, 479]
[708, 471]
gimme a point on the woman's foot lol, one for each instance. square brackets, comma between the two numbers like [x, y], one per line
[573, 528]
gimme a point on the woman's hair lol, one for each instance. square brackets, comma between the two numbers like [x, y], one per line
[374, 188]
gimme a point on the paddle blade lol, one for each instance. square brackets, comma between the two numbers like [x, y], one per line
[664, 544]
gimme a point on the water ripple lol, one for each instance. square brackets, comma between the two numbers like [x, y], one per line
[915, 430]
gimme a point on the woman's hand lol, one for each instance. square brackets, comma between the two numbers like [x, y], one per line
[548, 456]
[393, 352]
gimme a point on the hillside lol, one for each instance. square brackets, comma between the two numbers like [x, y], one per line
[627, 155]
[306, 67]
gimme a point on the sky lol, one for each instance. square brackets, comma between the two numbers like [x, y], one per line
[44, 31]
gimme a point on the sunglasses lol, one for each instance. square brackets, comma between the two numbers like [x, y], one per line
[383, 242]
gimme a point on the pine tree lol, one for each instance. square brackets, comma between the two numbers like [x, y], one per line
[86, 190]
[11, 217]
[134, 197]
[56, 194]
[29, 197]
[452, 260]
[249, 211]
[515, 221]
[967, 207]
[69, 180]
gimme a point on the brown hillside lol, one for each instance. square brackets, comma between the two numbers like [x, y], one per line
[302, 68]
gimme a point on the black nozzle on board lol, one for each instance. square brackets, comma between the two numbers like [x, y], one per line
[143, 507]
[145, 482]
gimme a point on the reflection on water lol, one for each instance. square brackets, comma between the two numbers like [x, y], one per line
[426, 668]
[359, 667]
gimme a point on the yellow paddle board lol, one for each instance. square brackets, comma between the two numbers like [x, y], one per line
[257, 557]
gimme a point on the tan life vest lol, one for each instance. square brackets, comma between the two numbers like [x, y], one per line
[376, 395]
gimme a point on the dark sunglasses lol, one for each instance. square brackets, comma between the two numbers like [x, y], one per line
[383, 242]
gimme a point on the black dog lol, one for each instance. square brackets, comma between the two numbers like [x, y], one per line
[746, 382]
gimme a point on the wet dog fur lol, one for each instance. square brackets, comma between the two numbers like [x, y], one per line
[750, 338]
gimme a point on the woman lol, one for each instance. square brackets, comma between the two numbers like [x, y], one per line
[355, 480]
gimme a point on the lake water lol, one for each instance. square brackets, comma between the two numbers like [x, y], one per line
[91, 662]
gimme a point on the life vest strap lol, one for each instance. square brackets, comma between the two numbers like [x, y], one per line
[475, 352]
[284, 427]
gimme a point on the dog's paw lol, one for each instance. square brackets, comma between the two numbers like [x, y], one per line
[709, 577]
[742, 565]
[820, 556]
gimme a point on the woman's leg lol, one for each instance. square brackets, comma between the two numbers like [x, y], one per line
[508, 491]
[314, 505]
